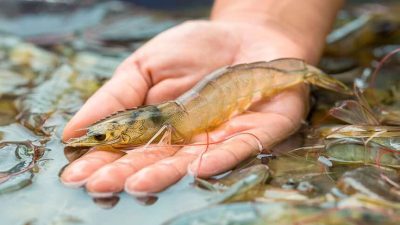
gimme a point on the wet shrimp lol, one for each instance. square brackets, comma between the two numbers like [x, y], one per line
[221, 95]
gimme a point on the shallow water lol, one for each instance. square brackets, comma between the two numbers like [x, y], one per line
[47, 201]
[38, 197]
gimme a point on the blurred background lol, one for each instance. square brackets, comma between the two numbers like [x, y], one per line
[54, 54]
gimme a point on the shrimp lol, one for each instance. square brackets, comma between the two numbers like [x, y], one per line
[219, 96]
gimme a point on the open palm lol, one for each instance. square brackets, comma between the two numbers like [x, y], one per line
[163, 69]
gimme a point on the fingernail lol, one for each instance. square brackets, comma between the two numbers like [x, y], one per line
[74, 184]
[138, 193]
[101, 194]
[131, 188]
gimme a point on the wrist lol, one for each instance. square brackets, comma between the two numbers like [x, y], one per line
[306, 25]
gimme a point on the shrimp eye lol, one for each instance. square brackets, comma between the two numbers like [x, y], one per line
[100, 137]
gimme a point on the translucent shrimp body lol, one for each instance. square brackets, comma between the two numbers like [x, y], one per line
[215, 99]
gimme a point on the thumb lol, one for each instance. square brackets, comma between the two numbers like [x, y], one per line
[126, 89]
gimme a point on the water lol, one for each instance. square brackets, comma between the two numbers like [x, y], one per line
[48, 201]
[42, 199]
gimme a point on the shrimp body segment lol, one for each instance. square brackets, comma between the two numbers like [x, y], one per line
[214, 100]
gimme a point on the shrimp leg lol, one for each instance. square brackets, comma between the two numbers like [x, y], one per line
[165, 139]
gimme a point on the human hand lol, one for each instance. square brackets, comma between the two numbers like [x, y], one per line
[163, 69]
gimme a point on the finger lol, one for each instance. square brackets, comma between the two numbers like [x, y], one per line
[231, 152]
[275, 127]
[126, 89]
[77, 173]
[162, 174]
[162, 91]
[111, 178]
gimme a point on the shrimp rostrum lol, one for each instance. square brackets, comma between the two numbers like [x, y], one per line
[222, 94]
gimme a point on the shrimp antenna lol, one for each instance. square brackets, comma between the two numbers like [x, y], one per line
[208, 142]
[196, 173]
[319, 121]
[379, 67]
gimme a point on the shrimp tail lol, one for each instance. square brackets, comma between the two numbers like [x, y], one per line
[318, 78]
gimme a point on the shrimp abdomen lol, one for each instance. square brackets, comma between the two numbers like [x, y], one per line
[230, 91]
